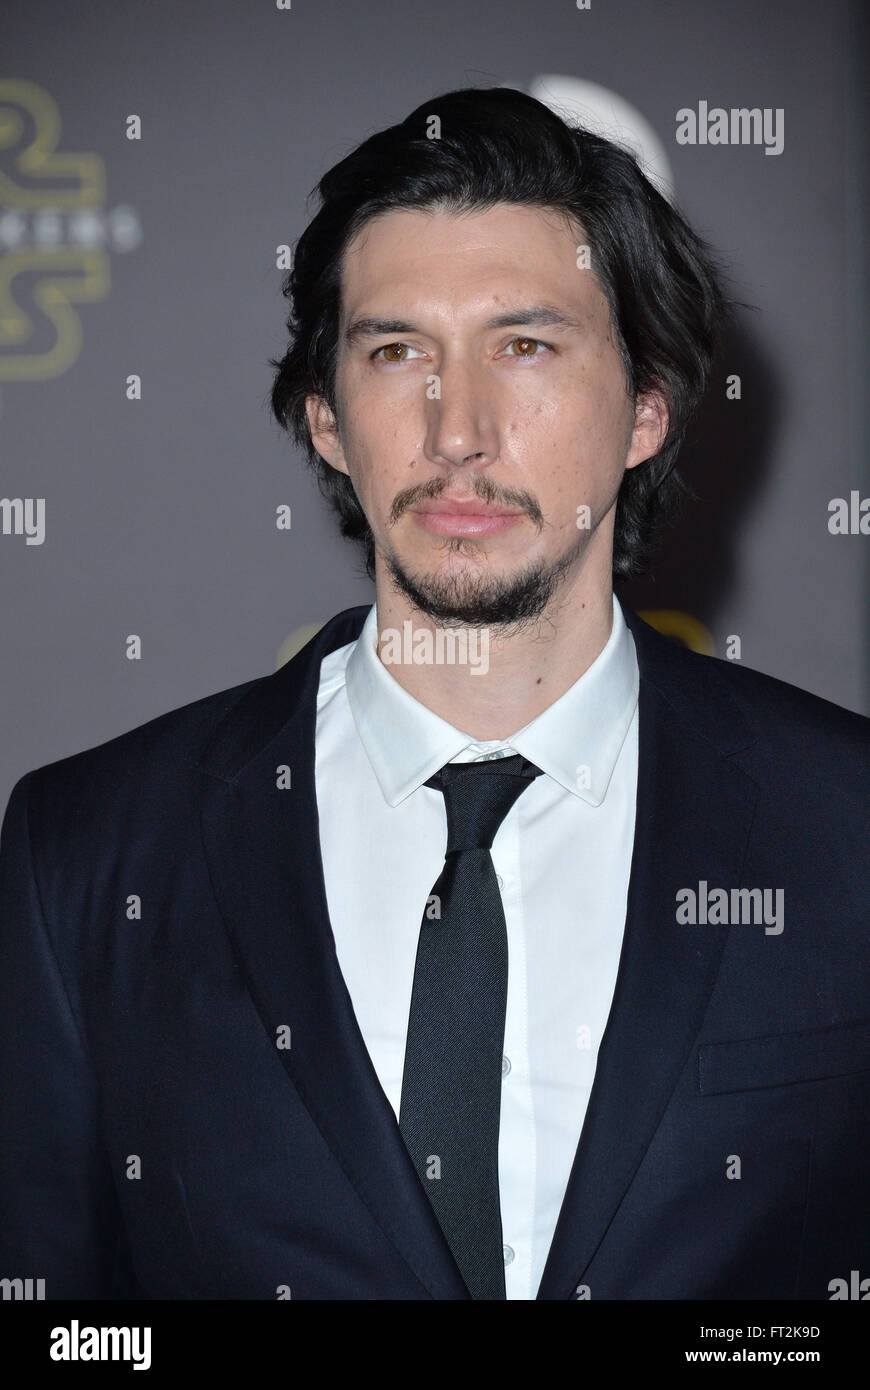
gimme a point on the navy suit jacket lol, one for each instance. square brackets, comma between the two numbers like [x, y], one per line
[158, 1142]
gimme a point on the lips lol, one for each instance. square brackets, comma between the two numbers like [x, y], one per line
[472, 506]
[467, 517]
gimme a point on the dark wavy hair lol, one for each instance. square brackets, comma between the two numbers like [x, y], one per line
[498, 145]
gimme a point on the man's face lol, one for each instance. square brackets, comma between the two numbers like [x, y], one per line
[457, 382]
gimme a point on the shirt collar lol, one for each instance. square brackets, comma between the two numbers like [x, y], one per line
[576, 740]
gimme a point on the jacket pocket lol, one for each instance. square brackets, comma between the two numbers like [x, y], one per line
[784, 1059]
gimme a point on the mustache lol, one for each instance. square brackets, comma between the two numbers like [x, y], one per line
[483, 488]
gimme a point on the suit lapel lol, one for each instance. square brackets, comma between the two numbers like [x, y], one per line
[263, 849]
[694, 810]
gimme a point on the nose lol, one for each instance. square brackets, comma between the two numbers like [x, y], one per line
[461, 424]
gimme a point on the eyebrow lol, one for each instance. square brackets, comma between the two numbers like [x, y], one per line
[542, 315]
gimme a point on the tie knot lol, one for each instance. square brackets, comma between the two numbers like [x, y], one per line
[478, 796]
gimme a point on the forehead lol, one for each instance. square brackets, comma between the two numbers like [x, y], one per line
[449, 262]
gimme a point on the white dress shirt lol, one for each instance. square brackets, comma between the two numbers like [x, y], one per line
[562, 856]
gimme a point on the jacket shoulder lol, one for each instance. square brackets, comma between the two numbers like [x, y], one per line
[735, 706]
[784, 710]
[160, 749]
[767, 702]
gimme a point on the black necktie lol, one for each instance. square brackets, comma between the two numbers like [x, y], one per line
[451, 1085]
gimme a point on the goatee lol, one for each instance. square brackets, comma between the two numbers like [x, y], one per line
[511, 601]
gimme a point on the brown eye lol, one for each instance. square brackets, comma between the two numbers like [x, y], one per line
[526, 347]
[394, 348]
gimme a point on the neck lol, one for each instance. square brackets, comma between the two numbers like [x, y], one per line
[485, 683]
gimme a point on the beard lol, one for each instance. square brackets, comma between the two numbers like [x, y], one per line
[509, 602]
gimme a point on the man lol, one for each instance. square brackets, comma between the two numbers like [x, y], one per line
[494, 947]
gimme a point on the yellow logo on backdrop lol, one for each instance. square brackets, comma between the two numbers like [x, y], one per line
[55, 236]
[673, 622]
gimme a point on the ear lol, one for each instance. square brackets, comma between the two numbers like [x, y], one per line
[323, 429]
[651, 419]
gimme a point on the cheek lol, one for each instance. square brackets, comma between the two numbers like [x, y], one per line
[581, 431]
[571, 449]
[597, 428]
[378, 423]
[382, 446]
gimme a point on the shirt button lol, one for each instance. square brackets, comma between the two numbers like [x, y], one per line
[499, 880]
[505, 1065]
[508, 1254]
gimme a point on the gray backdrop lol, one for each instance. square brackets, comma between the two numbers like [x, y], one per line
[157, 257]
